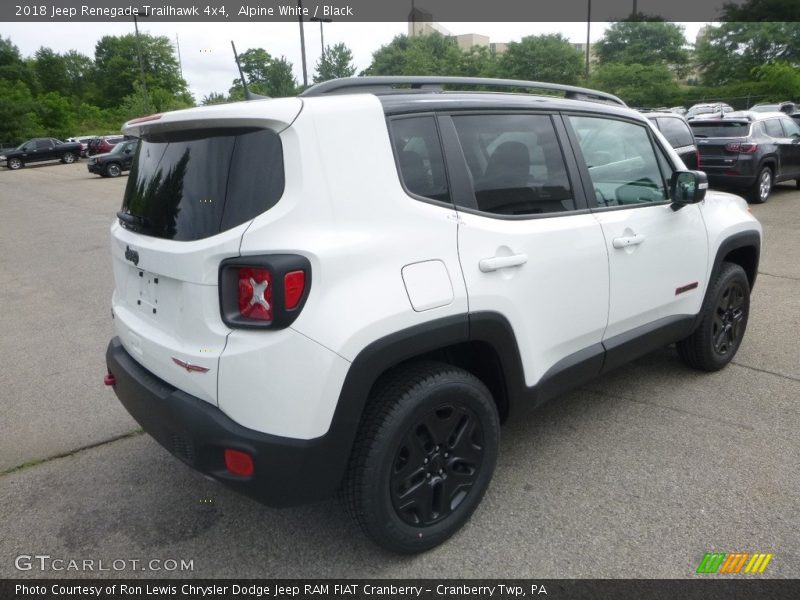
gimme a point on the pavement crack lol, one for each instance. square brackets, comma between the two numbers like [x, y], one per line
[741, 426]
[779, 276]
[768, 372]
[39, 461]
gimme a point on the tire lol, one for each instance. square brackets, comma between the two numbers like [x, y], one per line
[14, 163]
[68, 158]
[424, 456]
[760, 190]
[112, 170]
[797, 183]
[723, 322]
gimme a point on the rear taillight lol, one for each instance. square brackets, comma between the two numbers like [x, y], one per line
[255, 294]
[258, 292]
[741, 148]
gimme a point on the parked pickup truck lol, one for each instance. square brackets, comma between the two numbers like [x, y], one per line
[41, 149]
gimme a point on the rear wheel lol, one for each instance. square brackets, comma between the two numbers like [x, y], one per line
[424, 456]
[760, 190]
[68, 158]
[723, 322]
[113, 170]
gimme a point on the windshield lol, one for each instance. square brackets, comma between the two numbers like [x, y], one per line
[191, 185]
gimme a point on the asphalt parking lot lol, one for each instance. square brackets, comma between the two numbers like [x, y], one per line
[637, 474]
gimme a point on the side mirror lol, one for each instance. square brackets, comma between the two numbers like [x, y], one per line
[687, 187]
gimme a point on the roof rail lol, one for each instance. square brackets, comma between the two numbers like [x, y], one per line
[386, 84]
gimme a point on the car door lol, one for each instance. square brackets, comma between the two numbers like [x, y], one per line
[657, 255]
[43, 150]
[791, 150]
[529, 248]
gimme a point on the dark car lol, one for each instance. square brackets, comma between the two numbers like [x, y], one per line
[41, 149]
[678, 133]
[112, 164]
[749, 150]
[103, 144]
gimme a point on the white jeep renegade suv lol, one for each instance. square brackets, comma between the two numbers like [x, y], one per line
[350, 289]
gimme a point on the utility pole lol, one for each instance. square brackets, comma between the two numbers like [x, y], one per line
[588, 29]
[302, 42]
[180, 62]
[141, 65]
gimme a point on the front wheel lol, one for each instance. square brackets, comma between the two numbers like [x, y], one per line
[14, 164]
[113, 170]
[723, 322]
[424, 456]
[760, 190]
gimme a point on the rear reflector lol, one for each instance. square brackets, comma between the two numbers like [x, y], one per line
[239, 463]
[109, 379]
[255, 294]
[294, 284]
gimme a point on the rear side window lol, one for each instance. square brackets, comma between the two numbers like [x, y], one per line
[516, 164]
[419, 157]
[676, 131]
[720, 129]
[773, 128]
[191, 185]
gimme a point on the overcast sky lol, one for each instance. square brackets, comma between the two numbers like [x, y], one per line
[205, 49]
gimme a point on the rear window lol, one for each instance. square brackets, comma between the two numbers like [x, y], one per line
[720, 129]
[191, 185]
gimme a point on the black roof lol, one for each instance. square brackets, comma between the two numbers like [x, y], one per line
[399, 103]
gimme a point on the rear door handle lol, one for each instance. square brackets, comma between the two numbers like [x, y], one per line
[502, 262]
[624, 242]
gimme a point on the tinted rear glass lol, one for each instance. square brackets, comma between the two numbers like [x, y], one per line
[676, 131]
[720, 129]
[192, 185]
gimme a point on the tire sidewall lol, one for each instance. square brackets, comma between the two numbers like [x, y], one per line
[755, 193]
[728, 275]
[110, 170]
[68, 158]
[14, 161]
[406, 537]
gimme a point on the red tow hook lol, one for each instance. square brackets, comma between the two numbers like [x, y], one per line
[109, 379]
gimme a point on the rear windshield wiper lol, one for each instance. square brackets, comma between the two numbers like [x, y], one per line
[129, 219]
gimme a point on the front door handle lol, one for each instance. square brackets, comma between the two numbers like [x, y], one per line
[502, 262]
[624, 242]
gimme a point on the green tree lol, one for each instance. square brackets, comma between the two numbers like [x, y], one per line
[637, 85]
[214, 98]
[762, 10]
[51, 71]
[265, 75]
[729, 52]
[478, 61]
[432, 54]
[79, 70]
[117, 67]
[335, 62]
[551, 58]
[18, 118]
[12, 67]
[644, 42]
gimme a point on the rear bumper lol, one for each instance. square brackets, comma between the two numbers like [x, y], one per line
[287, 471]
[721, 179]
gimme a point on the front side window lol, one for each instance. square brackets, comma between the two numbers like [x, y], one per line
[516, 164]
[621, 160]
[419, 157]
